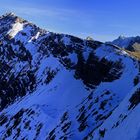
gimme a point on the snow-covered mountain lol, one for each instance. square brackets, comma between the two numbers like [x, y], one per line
[129, 43]
[60, 87]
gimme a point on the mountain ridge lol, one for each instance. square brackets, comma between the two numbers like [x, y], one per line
[57, 86]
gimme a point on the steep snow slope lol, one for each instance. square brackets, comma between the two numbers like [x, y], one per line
[124, 122]
[56, 86]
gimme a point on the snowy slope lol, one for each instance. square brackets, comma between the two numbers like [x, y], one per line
[57, 86]
[124, 122]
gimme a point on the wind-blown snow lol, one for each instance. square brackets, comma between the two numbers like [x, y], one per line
[17, 27]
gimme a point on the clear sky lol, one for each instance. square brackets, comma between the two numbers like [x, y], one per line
[102, 19]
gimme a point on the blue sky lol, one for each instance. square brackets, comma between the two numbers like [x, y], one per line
[102, 19]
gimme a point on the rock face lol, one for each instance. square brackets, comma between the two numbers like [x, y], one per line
[57, 86]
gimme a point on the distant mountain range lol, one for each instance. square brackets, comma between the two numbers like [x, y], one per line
[61, 87]
[129, 43]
